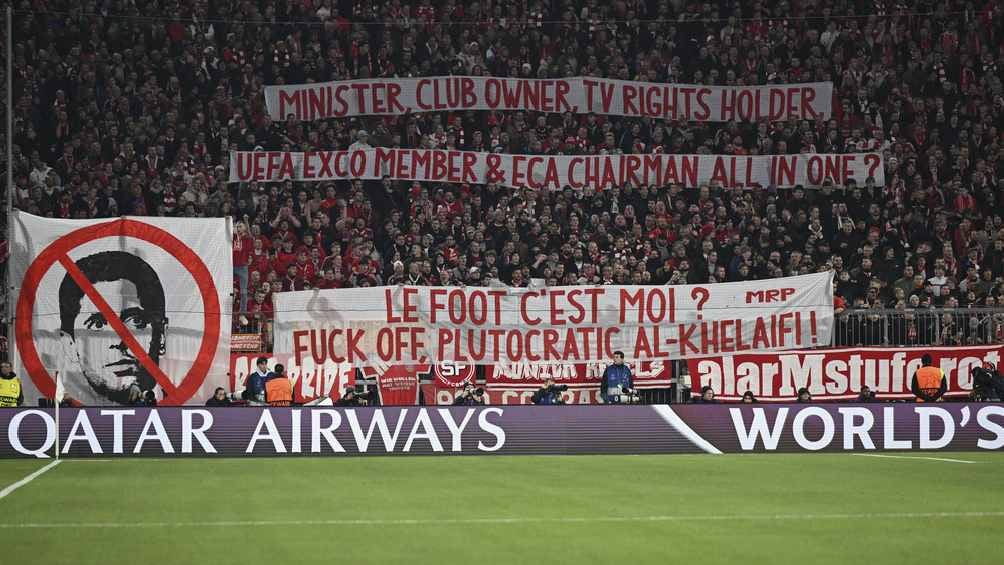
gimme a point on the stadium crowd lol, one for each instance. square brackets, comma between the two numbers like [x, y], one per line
[131, 107]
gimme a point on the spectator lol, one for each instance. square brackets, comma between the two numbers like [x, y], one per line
[748, 398]
[219, 398]
[804, 396]
[707, 396]
[866, 394]
[139, 114]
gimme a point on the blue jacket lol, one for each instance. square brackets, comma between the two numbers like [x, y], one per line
[256, 382]
[615, 375]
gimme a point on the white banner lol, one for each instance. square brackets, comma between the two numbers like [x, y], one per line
[557, 172]
[122, 307]
[580, 95]
[558, 325]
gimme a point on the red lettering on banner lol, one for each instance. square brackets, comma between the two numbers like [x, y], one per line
[808, 96]
[551, 179]
[420, 94]
[287, 99]
[766, 296]
[245, 166]
[594, 303]
[531, 173]
[606, 96]
[628, 95]
[687, 92]
[468, 175]
[435, 305]
[702, 102]
[409, 309]
[782, 168]
[845, 169]
[496, 306]
[589, 84]
[524, 308]
[308, 169]
[792, 107]
[518, 174]
[718, 172]
[562, 88]
[393, 99]
[467, 97]
[326, 157]
[573, 164]
[360, 93]
[322, 345]
[386, 158]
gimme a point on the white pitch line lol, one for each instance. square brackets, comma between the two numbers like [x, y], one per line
[517, 520]
[945, 459]
[13, 487]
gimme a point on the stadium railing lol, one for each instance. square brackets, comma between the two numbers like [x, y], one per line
[918, 327]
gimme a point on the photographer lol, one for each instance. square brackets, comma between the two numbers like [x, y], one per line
[549, 394]
[617, 384]
[471, 397]
[351, 398]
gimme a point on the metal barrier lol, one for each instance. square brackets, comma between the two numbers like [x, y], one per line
[251, 324]
[919, 327]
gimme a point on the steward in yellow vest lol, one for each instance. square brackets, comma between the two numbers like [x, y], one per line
[929, 383]
[11, 394]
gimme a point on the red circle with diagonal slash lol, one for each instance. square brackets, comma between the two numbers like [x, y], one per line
[58, 251]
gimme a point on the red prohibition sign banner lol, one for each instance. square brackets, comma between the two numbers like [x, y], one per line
[58, 251]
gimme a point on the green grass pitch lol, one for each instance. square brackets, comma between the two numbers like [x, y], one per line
[813, 509]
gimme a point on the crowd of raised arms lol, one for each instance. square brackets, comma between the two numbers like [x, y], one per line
[130, 107]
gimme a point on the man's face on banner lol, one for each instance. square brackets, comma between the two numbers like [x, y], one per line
[106, 361]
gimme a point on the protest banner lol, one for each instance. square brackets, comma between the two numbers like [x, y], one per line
[554, 325]
[553, 172]
[580, 95]
[121, 307]
[836, 374]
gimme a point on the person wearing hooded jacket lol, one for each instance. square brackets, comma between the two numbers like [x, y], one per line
[616, 375]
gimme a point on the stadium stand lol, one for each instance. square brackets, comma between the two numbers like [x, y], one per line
[132, 107]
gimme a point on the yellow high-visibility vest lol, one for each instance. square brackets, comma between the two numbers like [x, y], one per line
[10, 391]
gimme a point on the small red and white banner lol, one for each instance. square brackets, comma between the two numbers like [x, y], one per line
[246, 342]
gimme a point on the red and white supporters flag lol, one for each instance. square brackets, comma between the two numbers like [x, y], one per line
[402, 325]
[121, 307]
[580, 95]
[557, 171]
[836, 374]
